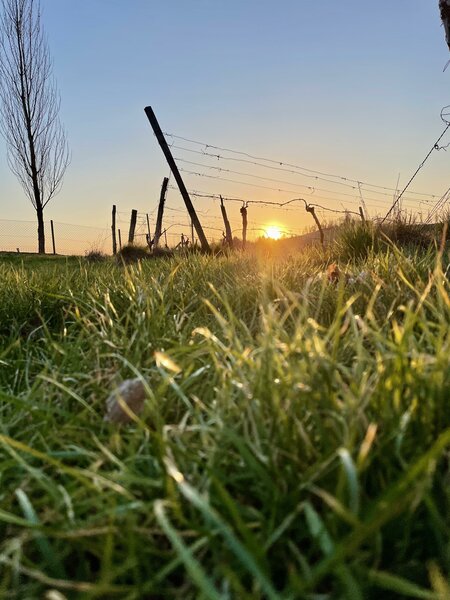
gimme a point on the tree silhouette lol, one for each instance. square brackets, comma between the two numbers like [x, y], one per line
[29, 107]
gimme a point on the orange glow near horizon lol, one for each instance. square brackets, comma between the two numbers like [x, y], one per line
[273, 232]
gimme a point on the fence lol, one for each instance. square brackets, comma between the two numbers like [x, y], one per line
[73, 239]
[69, 239]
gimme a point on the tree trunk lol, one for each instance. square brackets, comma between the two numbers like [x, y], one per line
[41, 230]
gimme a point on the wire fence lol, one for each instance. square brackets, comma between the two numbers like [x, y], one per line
[78, 240]
[304, 193]
[278, 193]
[21, 236]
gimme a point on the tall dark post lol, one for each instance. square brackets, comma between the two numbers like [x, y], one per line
[244, 224]
[173, 167]
[132, 226]
[159, 218]
[113, 230]
[53, 237]
[228, 234]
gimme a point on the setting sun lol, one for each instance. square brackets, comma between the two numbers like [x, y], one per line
[273, 232]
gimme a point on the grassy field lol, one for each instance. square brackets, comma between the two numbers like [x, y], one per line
[295, 439]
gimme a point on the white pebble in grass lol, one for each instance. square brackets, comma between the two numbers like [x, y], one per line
[130, 392]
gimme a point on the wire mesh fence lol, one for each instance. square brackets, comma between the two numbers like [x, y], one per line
[21, 236]
[70, 239]
[73, 239]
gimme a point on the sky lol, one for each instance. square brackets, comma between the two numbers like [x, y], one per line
[349, 88]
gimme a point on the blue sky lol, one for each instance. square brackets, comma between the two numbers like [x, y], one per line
[348, 87]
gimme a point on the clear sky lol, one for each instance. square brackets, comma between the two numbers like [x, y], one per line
[349, 87]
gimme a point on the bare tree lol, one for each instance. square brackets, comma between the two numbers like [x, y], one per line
[29, 107]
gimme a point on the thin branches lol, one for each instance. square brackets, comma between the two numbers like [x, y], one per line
[29, 106]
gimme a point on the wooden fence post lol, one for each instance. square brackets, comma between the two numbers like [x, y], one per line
[149, 233]
[312, 211]
[132, 226]
[244, 223]
[228, 234]
[120, 240]
[113, 230]
[361, 213]
[53, 237]
[173, 167]
[159, 218]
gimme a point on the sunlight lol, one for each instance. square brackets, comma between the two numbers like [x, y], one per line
[273, 232]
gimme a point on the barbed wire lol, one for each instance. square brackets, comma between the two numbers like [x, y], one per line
[281, 163]
[216, 196]
[358, 187]
[356, 198]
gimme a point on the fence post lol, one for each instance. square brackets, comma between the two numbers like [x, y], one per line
[132, 226]
[173, 167]
[53, 237]
[244, 224]
[120, 239]
[361, 213]
[113, 229]
[228, 235]
[312, 210]
[149, 233]
[159, 218]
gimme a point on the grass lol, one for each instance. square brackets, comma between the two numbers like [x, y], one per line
[294, 444]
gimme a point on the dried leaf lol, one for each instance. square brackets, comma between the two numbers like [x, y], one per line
[162, 360]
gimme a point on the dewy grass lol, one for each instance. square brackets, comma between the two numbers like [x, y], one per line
[295, 440]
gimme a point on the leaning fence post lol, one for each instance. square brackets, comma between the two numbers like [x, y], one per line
[228, 234]
[120, 239]
[159, 218]
[53, 237]
[149, 233]
[132, 226]
[173, 167]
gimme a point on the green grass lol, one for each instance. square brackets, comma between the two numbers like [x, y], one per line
[295, 441]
